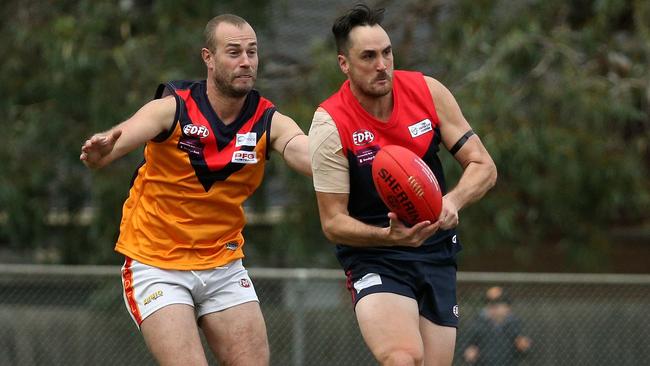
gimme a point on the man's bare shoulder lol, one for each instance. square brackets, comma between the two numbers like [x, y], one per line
[435, 86]
[162, 106]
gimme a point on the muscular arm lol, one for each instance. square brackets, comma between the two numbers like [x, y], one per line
[479, 171]
[339, 227]
[148, 122]
[332, 193]
[291, 142]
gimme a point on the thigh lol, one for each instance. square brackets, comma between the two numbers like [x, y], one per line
[172, 336]
[230, 316]
[160, 302]
[389, 322]
[439, 342]
[237, 335]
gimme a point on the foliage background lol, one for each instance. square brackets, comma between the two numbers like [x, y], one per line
[559, 92]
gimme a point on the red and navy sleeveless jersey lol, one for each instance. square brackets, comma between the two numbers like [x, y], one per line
[413, 124]
[184, 209]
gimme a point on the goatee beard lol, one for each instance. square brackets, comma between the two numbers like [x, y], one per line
[228, 90]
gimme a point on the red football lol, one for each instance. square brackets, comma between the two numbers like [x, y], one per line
[406, 185]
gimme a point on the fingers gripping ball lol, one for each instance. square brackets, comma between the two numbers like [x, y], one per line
[406, 185]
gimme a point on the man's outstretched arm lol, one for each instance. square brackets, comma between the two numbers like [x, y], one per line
[148, 122]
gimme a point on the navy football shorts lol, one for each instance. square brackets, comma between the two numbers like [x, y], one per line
[433, 286]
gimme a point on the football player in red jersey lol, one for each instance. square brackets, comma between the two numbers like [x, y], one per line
[206, 143]
[402, 279]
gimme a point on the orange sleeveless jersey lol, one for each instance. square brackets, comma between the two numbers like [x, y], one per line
[184, 209]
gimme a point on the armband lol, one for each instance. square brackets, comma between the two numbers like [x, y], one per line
[461, 141]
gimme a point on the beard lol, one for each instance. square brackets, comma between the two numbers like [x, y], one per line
[224, 84]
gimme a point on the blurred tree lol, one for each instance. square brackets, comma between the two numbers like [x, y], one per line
[75, 68]
[559, 94]
[557, 90]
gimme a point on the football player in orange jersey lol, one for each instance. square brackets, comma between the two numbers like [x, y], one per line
[206, 143]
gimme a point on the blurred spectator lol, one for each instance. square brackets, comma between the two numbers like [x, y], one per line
[495, 336]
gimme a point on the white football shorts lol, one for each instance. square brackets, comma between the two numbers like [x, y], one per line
[147, 288]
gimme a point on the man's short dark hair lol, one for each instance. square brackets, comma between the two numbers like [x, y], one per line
[359, 15]
[210, 38]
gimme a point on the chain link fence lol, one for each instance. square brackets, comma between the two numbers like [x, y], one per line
[75, 315]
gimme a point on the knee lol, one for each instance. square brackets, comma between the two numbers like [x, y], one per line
[256, 355]
[259, 356]
[402, 357]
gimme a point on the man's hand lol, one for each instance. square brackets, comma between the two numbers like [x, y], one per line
[97, 147]
[448, 218]
[400, 234]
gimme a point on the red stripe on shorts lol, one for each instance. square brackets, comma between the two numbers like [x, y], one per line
[350, 286]
[127, 278]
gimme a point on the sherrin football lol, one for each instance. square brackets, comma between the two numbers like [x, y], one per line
[406, 185]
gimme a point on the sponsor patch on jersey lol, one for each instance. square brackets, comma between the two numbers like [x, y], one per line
[244, 157]
[196, 131]
[369, 280]
[362, 137]
[367, 155]
[191, 146]
[232, 245]
[246, 139]
[420, 128]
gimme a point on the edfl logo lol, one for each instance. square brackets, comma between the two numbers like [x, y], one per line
[362, 137]
[196, 131]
